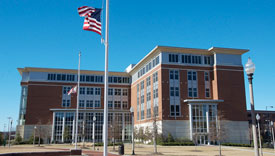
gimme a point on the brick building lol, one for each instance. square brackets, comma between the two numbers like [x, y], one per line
[182, 89]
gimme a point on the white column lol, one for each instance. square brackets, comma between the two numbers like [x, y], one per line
[207, 123]
[191, 121]
[63, 128]
[123, 127]
[53, 127]
[73, 131]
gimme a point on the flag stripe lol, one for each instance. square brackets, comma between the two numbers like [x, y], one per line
[92, 18]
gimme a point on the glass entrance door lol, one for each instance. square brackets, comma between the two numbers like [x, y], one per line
[202, 139]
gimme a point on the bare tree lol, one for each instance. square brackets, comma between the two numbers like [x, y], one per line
[155, 133]
[195, 140]
[217, 131]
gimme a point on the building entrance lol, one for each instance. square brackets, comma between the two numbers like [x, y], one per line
[202, 139]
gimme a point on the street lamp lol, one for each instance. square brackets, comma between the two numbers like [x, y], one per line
[250, 69]
[259, 132]
[133, 127]
[9, 130]
[34, 135]
[94, 119]
[271, 123]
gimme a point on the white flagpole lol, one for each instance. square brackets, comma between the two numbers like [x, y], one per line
[77, 102]
[105, 126]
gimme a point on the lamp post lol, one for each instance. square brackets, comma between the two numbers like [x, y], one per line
[272, 125]
[9, 130]
[259, 132]
[250, 68]
[34, 135]
[133, 127]
[94, 119]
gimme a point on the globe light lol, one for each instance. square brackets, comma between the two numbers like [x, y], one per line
[131, 110]
[258, 117]
[249, 67]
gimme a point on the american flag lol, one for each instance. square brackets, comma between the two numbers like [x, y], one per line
[92, 18]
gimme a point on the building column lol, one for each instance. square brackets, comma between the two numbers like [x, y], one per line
[63, 128]
[53, 127]
[123, 127]
[191, 121]
[207, 123]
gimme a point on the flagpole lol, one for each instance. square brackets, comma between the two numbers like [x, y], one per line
[77, 102]
[105, 128]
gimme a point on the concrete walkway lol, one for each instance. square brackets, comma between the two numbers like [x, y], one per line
[95, 153]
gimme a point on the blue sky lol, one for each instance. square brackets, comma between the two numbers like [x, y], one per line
[48, 33]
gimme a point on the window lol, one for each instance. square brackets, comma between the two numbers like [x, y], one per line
[148, 112]
[97, 104]
[97, 91]
[124, 104]
[142, 99]
[118, 92]
[196, 59]
[82, 90]
[117, 104]
[89, 103]
[155, 77]
[207, 60]
[195, 93]
[172, 110]
[110, 104]
[51, 76]
[142, 114]
[157, 60]
[142, 85]
[70, 77]
[90, 91]
[172, 91]
[110, 91]
[173, 58]
[155, 93]
[207, 92]
[66, 103]
[176, 91]
[125, 92]
[190, 93]
[206, 76]
[148, 81]
[66, 90]
[174, 74]
[81, 103]
[148, 96]
[192, 75]
[82, 78]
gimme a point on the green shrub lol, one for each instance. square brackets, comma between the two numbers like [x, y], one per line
[235, 144]
[170, 138]
[177, 143]
[109, 144]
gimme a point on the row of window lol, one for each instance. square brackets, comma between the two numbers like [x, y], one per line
[87, 78]
[118, 92]
[192, 85]
[118, 104]
[148, 66]
[190, 59]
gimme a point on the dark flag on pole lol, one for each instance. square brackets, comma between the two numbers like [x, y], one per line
[92, 18]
